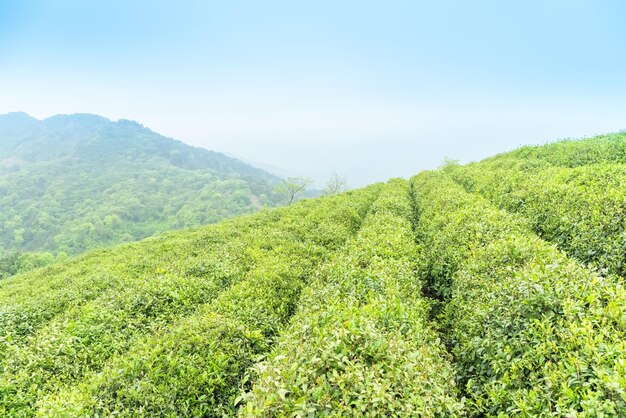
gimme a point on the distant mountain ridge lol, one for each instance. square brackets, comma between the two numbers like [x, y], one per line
[74, 182]
[95, 137]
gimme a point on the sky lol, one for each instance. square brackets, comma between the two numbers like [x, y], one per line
[366, 89]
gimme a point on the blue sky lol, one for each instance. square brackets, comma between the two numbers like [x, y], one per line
[368, 89]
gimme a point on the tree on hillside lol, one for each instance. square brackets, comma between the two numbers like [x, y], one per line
[336, 184]
[449, 163]
[291, 187]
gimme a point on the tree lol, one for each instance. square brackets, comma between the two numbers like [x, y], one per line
[291, 187]
[449, 163]
[336, 184]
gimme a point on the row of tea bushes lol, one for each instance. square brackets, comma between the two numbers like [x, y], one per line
[32, 300]
[532, 333]
[582, 209]
[360, 343]
[609, 148]
[194, 366]
[77, 330]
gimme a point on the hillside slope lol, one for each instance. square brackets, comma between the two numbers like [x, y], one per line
[75, 182]
[459, 292]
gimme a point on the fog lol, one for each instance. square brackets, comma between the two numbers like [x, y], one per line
[367, 90]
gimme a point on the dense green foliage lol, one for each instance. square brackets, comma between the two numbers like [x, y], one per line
[610, 148]
[209, 351]
[581, 209]
[361, 344]
[113, 324]
[532, 333]
[71, 183]
[18, 262]
[494, 289]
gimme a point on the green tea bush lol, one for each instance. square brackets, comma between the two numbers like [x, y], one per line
[194, 366]
[609, 148]
[360, 343]
[32, 300]
[582, 209]
[532, 332]
[83, 336]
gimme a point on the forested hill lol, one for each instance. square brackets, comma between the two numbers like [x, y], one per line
[73, 182]
[93, 139]
[487, 290]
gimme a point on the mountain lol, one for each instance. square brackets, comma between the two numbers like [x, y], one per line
[74, 182]
[490, 289]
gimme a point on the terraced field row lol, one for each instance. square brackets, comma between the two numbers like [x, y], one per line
[532, 333]
[361, 343]
[83, 339]
[608, 148]
[581, 209]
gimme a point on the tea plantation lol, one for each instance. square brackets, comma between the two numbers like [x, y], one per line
[493, 289]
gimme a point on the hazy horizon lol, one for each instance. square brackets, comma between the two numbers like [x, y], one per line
[367, 90]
